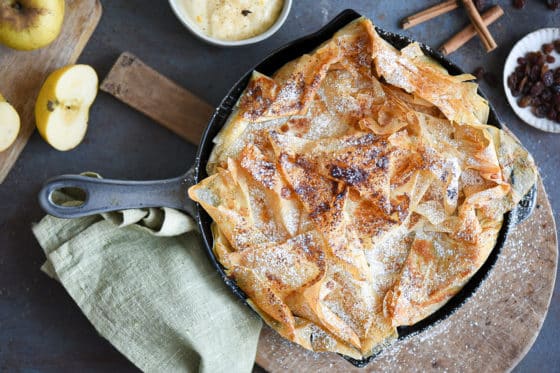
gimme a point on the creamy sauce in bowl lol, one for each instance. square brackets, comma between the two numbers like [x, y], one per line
[232, 19]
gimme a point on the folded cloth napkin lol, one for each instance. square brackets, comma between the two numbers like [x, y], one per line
[144, 281]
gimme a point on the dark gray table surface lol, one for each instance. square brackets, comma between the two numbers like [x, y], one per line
[41, 329]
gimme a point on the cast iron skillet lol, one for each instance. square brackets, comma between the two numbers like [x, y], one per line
[109, 195]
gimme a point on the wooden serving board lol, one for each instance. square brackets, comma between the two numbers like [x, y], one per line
[23, 73]
[492, 331]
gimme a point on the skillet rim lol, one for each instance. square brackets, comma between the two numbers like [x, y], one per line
[269, 65]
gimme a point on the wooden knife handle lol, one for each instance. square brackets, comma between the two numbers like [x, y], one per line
[141, 87]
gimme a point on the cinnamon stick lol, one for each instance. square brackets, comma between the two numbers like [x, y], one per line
[429, 13]
[485, 36]
[463, 36]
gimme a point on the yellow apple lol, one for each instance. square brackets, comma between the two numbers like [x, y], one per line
[30, 24]
[62, 108]
[9, 124]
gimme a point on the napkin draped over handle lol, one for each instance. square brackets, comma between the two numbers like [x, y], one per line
[144, 281]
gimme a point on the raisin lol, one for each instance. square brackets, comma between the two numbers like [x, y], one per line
[522, 84]
[546, 95]
[512, 81]
[491, 79]
[540, 111]
[522, 60]
[550, 59]
[525, 101]
[532, 57]
[553, 4]
[541, 59]
[557, 45]
[479, 73]
[537, 89]
[548, 78]
[551, 114]
[547, 48]
[535, 73]
[480, 5]
[519, 4]
[555, 89]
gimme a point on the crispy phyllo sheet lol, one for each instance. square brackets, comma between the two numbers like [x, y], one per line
[357, 190]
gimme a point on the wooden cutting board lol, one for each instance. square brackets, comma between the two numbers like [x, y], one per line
[23, 73]
[492, 331]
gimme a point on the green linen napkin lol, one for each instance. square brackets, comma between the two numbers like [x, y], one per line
[144, 281]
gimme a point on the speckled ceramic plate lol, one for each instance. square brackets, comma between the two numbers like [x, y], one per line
[531, 43]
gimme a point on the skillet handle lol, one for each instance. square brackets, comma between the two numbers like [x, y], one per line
[106, 195]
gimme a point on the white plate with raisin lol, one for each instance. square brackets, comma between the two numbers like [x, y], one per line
[532, 79]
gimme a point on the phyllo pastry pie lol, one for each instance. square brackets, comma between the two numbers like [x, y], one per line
[357, 190]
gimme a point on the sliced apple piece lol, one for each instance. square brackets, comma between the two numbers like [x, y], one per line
[9, 124]
[62, 108]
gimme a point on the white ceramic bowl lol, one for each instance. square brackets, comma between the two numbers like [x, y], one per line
[189, 24]
[531, 43]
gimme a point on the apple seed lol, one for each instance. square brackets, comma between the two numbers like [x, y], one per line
[50, 105]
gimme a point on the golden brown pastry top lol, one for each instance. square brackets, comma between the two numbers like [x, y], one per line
[357, 190]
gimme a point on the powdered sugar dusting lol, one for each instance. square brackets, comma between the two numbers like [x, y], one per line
[490, 332]
[379, 174]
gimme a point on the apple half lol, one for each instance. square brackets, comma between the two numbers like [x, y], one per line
[9, 124]
[62, 108]
[30, 24]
